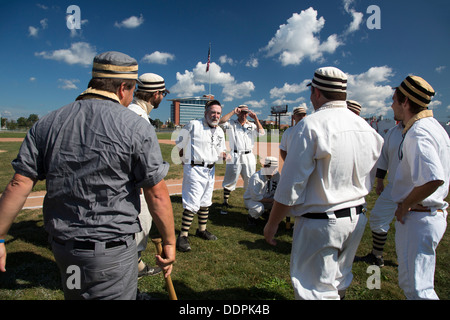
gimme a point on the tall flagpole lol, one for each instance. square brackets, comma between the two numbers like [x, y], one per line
[209, 58]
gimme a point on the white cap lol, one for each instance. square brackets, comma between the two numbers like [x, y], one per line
[329, 79]
[151, 82]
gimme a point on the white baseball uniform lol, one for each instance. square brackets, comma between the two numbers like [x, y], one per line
[202, 148]
[330, 166]
[286, 138]
[425, 155]
[243, 161]
[383, 211]
[145, 218]
[259, 187]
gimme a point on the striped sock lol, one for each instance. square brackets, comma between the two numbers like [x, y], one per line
[202, 218]
[226, 195]
[378, 242]
[187, 219]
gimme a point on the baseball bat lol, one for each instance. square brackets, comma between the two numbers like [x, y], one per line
[169, 285]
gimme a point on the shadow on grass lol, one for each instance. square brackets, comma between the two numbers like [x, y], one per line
[25, 270]
[186, 293]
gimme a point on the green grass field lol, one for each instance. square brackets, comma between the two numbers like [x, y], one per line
[239, 265]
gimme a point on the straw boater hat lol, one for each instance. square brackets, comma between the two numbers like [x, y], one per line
[151, 82]
[115, 65]
[354, 106]
[417, 90]
[329, 79]
[299, 110]
[270, 165]
[244, 108]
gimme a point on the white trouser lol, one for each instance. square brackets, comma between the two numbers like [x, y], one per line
[145, 219]
[198, 187]
[256, 208]
[383, 212]
[322, 255]
[416, 241]
[240, 164]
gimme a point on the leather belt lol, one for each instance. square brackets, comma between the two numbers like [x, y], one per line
[420, 208]
[202, 164]
[89, 245]
[338, 213]
[244, 152]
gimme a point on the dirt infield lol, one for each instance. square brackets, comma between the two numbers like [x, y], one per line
[11, 139]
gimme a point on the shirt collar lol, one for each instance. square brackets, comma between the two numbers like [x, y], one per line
[333, 104]
[146, 106]
[91, 93]
[418, 116]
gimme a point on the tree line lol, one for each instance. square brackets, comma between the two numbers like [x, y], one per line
[20, 123]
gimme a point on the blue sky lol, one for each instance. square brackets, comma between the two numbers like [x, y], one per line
[263, 52]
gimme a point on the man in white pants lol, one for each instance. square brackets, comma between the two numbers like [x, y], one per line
[149, 94]
[329, 169]
[241, 134]
[260, 191]
[383, 211]
[420, 186]
[201, 144]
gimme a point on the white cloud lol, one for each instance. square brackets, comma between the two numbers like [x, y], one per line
[256, 104]
[440, 69]
[357, 16]
[185, 85]
[32, 79]
[225, 59]
[215, 74]
[77, 32]
[67, 84]
[289, 88]
[371, 91]
[296, 40]
[32, 31]
[78, 53]
[158, 57]
[237, 90]
[131, 22]
[44, 23]
[434, 104]
[289, 102]
[43, 7]
[252, 62]
[191, 82]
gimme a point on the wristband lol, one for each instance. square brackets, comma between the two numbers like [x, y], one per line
[2, 240]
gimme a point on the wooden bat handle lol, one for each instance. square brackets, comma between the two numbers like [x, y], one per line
[171, 290]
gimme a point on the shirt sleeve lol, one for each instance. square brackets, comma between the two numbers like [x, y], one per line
[256, 187]
[28, 161]
[149, 168]
[283, 142]
[425, 164]
[299, 165]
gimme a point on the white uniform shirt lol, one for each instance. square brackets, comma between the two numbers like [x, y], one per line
[135, 107]
[241, 137]
[201, 143]
[426, 154]
[286, 138]
[260, 187]
[331, 162]
[389, 160]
